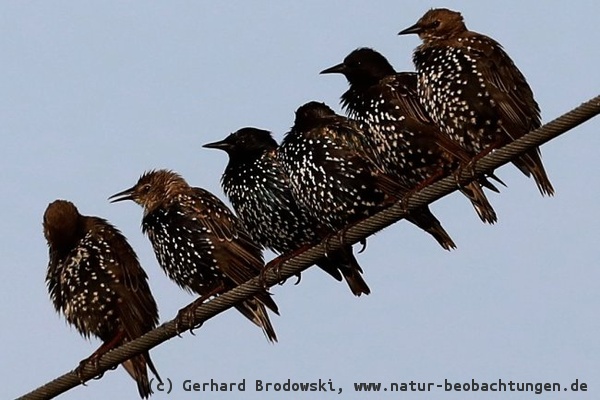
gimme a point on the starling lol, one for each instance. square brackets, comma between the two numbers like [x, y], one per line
[259, 190]
[95, 279]
[333, 173]
[199, 242]
[472, 89]
[409, 145]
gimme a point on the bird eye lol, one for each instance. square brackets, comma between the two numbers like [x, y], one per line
[145, 188]
[435, 24]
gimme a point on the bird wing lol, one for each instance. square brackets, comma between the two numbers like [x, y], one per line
[215, 215]
[402, 89]
[404, 101]
[55, 267]
[360, 157]
[242, 257]
[509, 89]
[138, 310]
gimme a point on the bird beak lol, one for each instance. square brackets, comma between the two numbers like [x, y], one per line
[336, 69]
[411, 29]
[222, 145]
[122, 196]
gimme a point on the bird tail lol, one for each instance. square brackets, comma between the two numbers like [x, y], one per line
[136, 367]
[484, 209]
[351, 270]
[484, 181]
[255, 311]
[530, 164]
[424, 219]
[332, 268]
[355, 281]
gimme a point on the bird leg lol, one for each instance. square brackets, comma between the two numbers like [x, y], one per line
[341, 236]
[276, 263]
[185, 316]
[439, 174]
[470, 166]
[95, 357]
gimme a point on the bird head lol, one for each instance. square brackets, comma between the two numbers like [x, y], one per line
[61, 223]
[153, 189]
[363, 66]
[436, 24]
[244, 142]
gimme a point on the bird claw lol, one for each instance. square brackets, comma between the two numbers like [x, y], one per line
[99, 376]
[469, 168]
[93, 360]
[197, 326]
[275, 266]
[363, 243]
[79, 373]
[298, 278]
[185, 318]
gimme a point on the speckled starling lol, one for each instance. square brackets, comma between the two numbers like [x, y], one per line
[473, 90]
[95, 280]
[199, 242]
[258, 188]
[333, 174]
[409, 145]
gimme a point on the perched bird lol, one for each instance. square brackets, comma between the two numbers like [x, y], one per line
[199, 242]
[95, 279]
[333, 174]
[472, 89]
[259, 190]
[409, 145]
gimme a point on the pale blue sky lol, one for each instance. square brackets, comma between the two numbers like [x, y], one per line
[94, 93]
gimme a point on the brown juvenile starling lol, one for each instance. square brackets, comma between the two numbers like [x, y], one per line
[333, 174]
[259, 190]
[95, 280]
[409, 145]
[473, 90]
[199, 242]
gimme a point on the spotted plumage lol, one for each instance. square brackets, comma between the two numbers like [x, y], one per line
[409, 145]
[259, 190]
[95, 280]
[472, 89]
[199, 242]
[333, 173]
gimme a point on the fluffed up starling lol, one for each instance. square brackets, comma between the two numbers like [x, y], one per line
[199, 242]
[409, 145]
[95, 280]
[333, 173]
[259, 190]
[472, 89]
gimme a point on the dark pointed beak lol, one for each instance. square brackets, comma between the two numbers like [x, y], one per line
[222, 145]
[122, 196]
[336, 69]
[411, 29]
